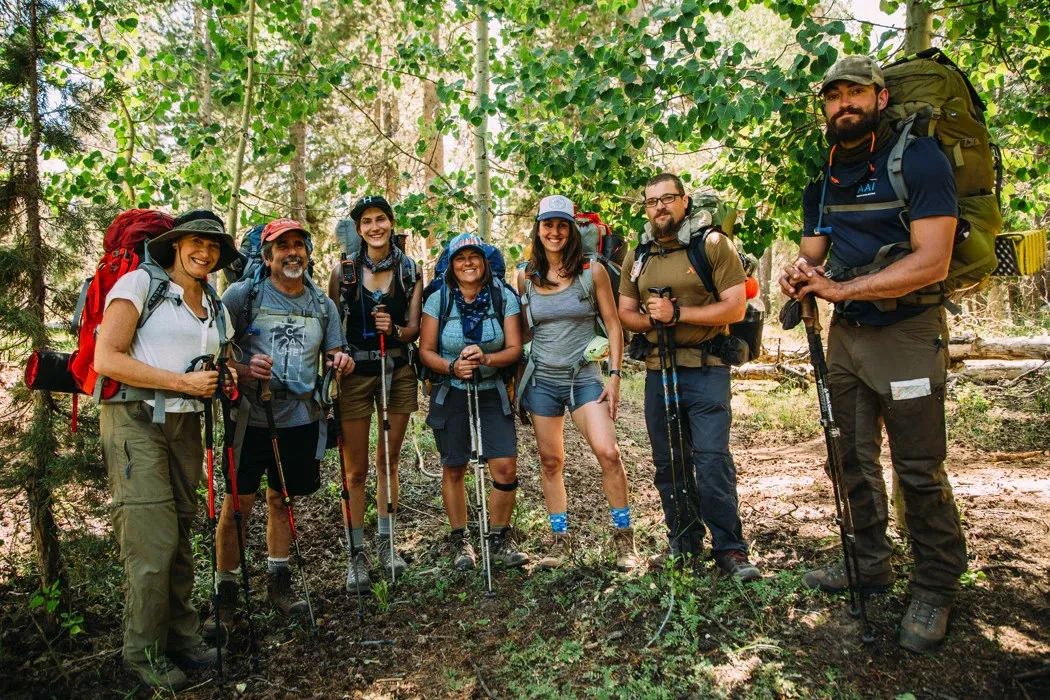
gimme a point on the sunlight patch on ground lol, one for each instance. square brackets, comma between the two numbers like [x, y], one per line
[1011, 639]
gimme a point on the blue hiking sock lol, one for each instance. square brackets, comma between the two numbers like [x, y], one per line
[384, 525]
[621, 517]
[559, 523]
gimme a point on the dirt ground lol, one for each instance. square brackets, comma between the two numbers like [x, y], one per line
[588, 631]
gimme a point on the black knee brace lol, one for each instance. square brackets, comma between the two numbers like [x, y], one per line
[512, 486]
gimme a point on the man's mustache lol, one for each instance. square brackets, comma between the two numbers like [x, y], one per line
[848, 110]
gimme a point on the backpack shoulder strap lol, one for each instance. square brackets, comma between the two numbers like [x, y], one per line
[641, 255]
[252, 304]
[218, 313]
[587, 282]
[159, 286]
[698, 258]
[895, 165]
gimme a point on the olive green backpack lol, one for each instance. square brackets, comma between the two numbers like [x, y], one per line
[931, 96]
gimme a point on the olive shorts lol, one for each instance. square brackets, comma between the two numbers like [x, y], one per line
[359, 395]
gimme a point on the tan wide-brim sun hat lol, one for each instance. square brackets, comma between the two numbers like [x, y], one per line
[162, 252]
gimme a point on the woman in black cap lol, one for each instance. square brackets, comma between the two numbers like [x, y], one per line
[379, 293]
[157, 320]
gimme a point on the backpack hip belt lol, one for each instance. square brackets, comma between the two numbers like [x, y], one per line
[930, 295]
[439, 392]
[373, 355]
[129, 394]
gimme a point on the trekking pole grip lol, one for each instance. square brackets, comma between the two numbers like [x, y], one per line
[264, 391]
[810, 313]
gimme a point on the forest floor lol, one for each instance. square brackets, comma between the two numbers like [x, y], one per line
[587, 631]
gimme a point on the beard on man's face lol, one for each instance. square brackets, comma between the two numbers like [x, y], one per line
[867, 123]
[666, 226]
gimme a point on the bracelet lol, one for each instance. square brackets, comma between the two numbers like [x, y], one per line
[676, 315]
[452, 368]
[615, 373]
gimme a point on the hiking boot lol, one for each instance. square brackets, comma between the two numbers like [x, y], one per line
[626, 554]
[736, 564]
[558, 553]
[832, 579]
[924, 626]
[357, 574]
[678, 552]
[383, 549]
[279, 590]
[195, 658]
[227, 607]
[158, 673]
[503, 550]
[464, 558]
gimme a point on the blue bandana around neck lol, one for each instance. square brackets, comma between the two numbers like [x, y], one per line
[472, 314]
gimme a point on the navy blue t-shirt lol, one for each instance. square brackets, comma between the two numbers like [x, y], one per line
[857, 236]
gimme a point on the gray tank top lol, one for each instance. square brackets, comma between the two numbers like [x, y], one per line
[564, 325]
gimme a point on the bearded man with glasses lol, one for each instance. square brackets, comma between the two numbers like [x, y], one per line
[664, 298]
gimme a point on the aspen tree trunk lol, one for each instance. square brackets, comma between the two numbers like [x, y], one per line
[200, 22]
[298, 165]
[242, 137]
[41, 517]
[481, 155]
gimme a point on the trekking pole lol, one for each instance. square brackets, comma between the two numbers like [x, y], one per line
[477, 458]
[264, 397]
[386, 447]
[228, 403]
[345, 494]
[205, 363]
[672, 411]
[843, 512]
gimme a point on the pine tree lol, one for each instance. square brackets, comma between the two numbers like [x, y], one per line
[42, 113]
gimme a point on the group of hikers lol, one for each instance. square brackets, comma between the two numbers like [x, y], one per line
[272, 336]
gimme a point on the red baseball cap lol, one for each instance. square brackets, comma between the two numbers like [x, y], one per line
[278, 227]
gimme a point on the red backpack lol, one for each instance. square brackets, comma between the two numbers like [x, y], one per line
[123, 249]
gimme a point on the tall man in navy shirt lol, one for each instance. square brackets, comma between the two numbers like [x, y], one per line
[888, 341]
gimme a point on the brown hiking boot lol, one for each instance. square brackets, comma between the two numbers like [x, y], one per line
[626, 555]
[924, 626]
[736, 564]
[158, 673]
[279, 590]
[227, 609]
[832, 579]
[558, 553]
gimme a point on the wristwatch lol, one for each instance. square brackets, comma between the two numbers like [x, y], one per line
[676, 315]
[615, 373]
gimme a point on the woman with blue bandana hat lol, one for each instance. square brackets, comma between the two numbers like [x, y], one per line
[566, 298]
[473, 346]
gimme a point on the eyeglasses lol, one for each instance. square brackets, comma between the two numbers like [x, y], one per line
[663, 199]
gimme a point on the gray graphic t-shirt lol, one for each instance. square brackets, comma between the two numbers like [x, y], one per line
[294, 331]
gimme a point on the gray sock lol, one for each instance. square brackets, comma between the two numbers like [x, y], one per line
[384, 524]
[234, 575]
[275, 564]
[357, 534]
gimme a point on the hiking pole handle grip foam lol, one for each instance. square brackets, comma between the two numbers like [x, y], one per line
[810, 314]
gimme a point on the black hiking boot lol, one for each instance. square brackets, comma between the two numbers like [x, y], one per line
[503, 550]
[279, 590]
[227, 612]
[832, 579]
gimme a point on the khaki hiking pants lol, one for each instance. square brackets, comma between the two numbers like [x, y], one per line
[153, 474]
[895, 375]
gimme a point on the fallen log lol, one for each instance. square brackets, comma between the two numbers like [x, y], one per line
[974, 370]
[997, 370]
[972, 347]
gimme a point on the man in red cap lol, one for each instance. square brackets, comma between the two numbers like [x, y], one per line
[282, 324]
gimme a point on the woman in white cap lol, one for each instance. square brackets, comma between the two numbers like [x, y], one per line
[151, 438]
[571, 314]
[463, 340]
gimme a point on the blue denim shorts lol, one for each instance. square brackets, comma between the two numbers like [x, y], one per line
[550, 399]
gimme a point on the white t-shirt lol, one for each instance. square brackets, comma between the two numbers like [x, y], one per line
[173, 336]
